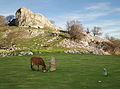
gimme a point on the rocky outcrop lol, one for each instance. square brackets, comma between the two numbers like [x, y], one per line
[87, 45]
[26, 18]
[82, 47]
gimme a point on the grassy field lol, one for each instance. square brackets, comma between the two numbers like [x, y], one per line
[73, 72]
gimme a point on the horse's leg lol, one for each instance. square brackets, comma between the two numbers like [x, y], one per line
[32, 67]
[38, 67]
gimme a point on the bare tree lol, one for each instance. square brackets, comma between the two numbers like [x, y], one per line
[87, 31]
[107, 36]
[69, 24]
[96, 31]
[52, 21]
[74, 29]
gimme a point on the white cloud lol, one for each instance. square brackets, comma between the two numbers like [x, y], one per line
[7, 14]
[77, 16]
[91, 16]
[61, 20]
[115, 34]
[112, 30]
[104, 23]
[94, 11]
[110, 27]
[99, 6]
[104, 7]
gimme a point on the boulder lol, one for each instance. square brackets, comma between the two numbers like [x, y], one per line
[26, 18]
[25, 53]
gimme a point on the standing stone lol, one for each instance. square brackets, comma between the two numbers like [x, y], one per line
[52, 65]
[105, 72]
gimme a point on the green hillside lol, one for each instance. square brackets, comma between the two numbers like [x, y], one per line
[16, 39]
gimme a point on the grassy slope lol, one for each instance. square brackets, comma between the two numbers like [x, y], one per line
[35, 43]
[32, 43]
[73, 72]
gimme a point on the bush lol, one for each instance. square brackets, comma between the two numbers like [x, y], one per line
[116, 43]
[115, 48]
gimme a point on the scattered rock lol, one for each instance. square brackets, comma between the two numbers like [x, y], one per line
[50, 40]
[92, 51]
[90, 47]
[12, 53]
[26, 53]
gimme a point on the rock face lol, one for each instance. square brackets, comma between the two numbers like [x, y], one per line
[26, 18]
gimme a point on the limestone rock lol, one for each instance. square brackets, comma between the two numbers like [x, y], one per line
[88, 45]
[26, 53]
[52, 66]
[26, 18]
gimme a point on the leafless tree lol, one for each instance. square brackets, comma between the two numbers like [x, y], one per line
[96, 31]
[69, 24]
[52, 21]
[107, 36]
[87, 31]
[74, 29]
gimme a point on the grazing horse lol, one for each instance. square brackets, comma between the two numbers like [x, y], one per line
[38, 61]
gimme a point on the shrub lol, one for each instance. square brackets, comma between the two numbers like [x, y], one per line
[115, 48]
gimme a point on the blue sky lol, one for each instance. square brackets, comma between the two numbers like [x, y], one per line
[102, 13]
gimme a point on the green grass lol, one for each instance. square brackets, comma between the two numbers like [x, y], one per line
[73, 72]
[32, 28]
[15, 37]
[36, 42]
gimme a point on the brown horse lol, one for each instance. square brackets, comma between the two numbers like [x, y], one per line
[38, 61]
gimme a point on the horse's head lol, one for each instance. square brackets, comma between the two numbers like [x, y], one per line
[44, 69]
